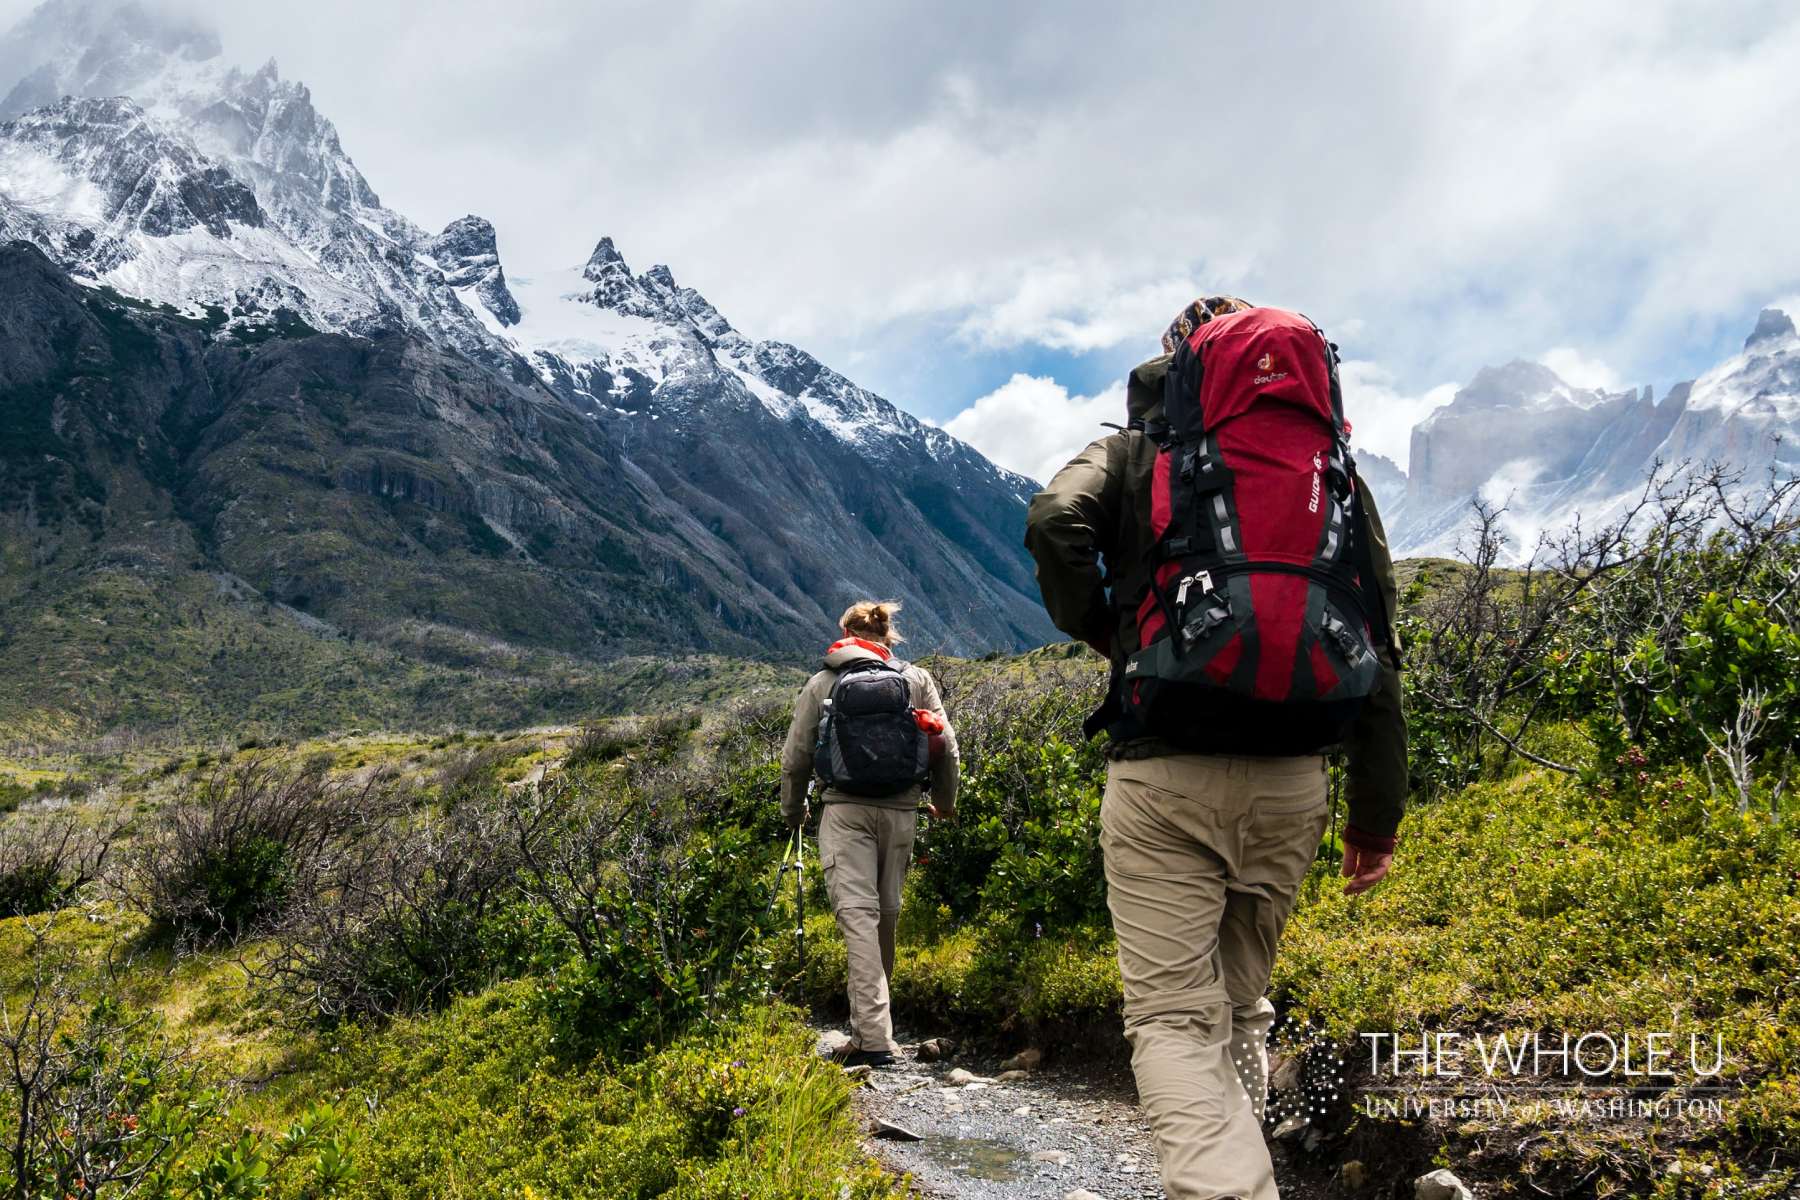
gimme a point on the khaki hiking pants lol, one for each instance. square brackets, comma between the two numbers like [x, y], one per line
[1204, 856]
[865, 851]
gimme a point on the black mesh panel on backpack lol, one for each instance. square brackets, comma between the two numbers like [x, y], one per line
[870, 743]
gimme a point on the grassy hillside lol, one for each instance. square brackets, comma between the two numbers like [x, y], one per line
[197, 654]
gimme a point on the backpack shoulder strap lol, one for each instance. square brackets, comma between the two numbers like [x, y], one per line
[1374, 603]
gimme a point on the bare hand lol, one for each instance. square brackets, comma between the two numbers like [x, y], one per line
[1364, 869]
[931, 810]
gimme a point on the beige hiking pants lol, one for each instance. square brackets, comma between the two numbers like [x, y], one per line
[865, 851]
[1204, 856]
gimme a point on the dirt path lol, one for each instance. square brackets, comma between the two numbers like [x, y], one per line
[1037, 1138]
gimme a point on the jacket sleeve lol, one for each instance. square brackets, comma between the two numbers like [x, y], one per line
[945, 772]
[1070, 524]
[797, 753]
[1375, 777]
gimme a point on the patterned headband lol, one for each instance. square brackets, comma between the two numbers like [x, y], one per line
[1197, 314]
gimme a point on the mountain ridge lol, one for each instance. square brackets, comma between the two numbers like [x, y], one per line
[1521, 438]
[397, 430]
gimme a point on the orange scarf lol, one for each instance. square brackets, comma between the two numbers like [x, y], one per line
[877, 647]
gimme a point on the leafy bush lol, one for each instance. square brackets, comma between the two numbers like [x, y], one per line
[1024, 844]
[595, 745]
[663, 915]
[103, 1102]
[1672, 629]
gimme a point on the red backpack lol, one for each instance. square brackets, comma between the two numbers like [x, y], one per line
[1256, 633]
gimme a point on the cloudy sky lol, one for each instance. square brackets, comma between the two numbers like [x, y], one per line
[988, 212]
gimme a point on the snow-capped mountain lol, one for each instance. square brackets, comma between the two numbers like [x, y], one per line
[1520, 436]
[136, 159]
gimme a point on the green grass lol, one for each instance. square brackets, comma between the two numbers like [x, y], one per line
[1531, 902]
[1538, 903]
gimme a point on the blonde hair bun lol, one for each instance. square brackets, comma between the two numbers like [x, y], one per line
[872, 620]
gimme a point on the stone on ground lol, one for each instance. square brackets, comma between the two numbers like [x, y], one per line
[897, 1133]
[1441, 1185]
[1024, 1060]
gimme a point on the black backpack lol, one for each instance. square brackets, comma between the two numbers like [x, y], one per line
[870, 743]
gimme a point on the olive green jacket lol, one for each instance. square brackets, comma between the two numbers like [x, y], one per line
[1089, 531]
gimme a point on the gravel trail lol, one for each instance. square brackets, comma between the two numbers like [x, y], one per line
[1037, 1138]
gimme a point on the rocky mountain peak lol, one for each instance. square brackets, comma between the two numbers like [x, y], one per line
[469, 255]
[733, 476]
[1507, 386]
[1771, 325]
[143, 176]
[271, 126]
[604, 261]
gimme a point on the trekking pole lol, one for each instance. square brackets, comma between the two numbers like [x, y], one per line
[800, 905]
[786, 850]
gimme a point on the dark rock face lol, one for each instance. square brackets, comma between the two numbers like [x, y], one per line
[1771, 325]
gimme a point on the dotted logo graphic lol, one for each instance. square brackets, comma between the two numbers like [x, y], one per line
[1308, 1075]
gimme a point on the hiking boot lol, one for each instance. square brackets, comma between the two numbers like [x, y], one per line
[867, 1058]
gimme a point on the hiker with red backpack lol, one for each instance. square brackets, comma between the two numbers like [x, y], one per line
[872, 729]
[1223, 553]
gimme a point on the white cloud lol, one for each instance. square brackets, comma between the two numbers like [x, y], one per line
[1579, 371]
[1616, 174]
[1031, 424]
[1381, 415]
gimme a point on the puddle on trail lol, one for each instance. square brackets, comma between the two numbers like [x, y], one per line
[978, 1158]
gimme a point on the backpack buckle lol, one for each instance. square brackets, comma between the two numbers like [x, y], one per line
[1346, 641]
[1215, 609]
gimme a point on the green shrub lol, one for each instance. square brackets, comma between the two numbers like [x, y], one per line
[676, 939]
[1024, 843]
[12, 794]
[243, 882]
[46, 859]
[487, 1097]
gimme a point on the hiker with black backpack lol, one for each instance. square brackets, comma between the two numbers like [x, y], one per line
[1223, 553]
[872, 729]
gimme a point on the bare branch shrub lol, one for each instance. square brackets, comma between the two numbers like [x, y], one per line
[1591, 620]
[226, 857]
[46, 858]
[86, 1084]
[396, 919]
